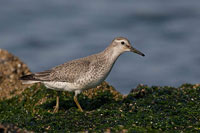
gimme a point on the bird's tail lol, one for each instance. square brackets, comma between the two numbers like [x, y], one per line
[29, 79]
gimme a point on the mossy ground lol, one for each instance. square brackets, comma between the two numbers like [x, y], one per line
[144, 109]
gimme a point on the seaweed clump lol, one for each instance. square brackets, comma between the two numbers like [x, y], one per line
[144, 109]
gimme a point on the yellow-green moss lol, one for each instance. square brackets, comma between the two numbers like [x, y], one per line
[144, 109]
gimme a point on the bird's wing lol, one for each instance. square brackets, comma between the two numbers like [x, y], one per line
[67, 72]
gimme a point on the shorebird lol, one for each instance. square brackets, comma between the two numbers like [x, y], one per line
[84, 73]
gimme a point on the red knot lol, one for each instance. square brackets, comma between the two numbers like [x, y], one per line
[84, 73]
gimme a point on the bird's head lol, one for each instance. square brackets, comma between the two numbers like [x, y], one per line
[121, 45]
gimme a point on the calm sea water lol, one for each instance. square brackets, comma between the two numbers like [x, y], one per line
[49, 32]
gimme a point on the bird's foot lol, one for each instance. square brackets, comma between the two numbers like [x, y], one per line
[80, 109]
[56, 108]
[77, 103]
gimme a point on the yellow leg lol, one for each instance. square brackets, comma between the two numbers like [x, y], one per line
[77, 103]
[57, 105]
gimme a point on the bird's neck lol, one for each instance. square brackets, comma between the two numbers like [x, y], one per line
[111, 54]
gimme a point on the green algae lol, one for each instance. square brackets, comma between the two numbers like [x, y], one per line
[145, 109]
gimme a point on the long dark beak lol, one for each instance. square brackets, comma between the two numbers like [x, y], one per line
[136, 51]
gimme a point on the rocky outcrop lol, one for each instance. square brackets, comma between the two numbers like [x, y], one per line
[11, 69]
[104, 86]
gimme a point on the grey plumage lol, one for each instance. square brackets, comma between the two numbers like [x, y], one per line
[82, 73]
[72, 72]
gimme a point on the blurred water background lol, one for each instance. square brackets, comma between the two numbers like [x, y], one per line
[46, 33]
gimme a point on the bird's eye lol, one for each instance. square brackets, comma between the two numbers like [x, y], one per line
[122, 42]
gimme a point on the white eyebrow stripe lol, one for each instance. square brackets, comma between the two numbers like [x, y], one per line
[121, 40]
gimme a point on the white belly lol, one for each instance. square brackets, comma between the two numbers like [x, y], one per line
[86, 82]
[61, 86]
